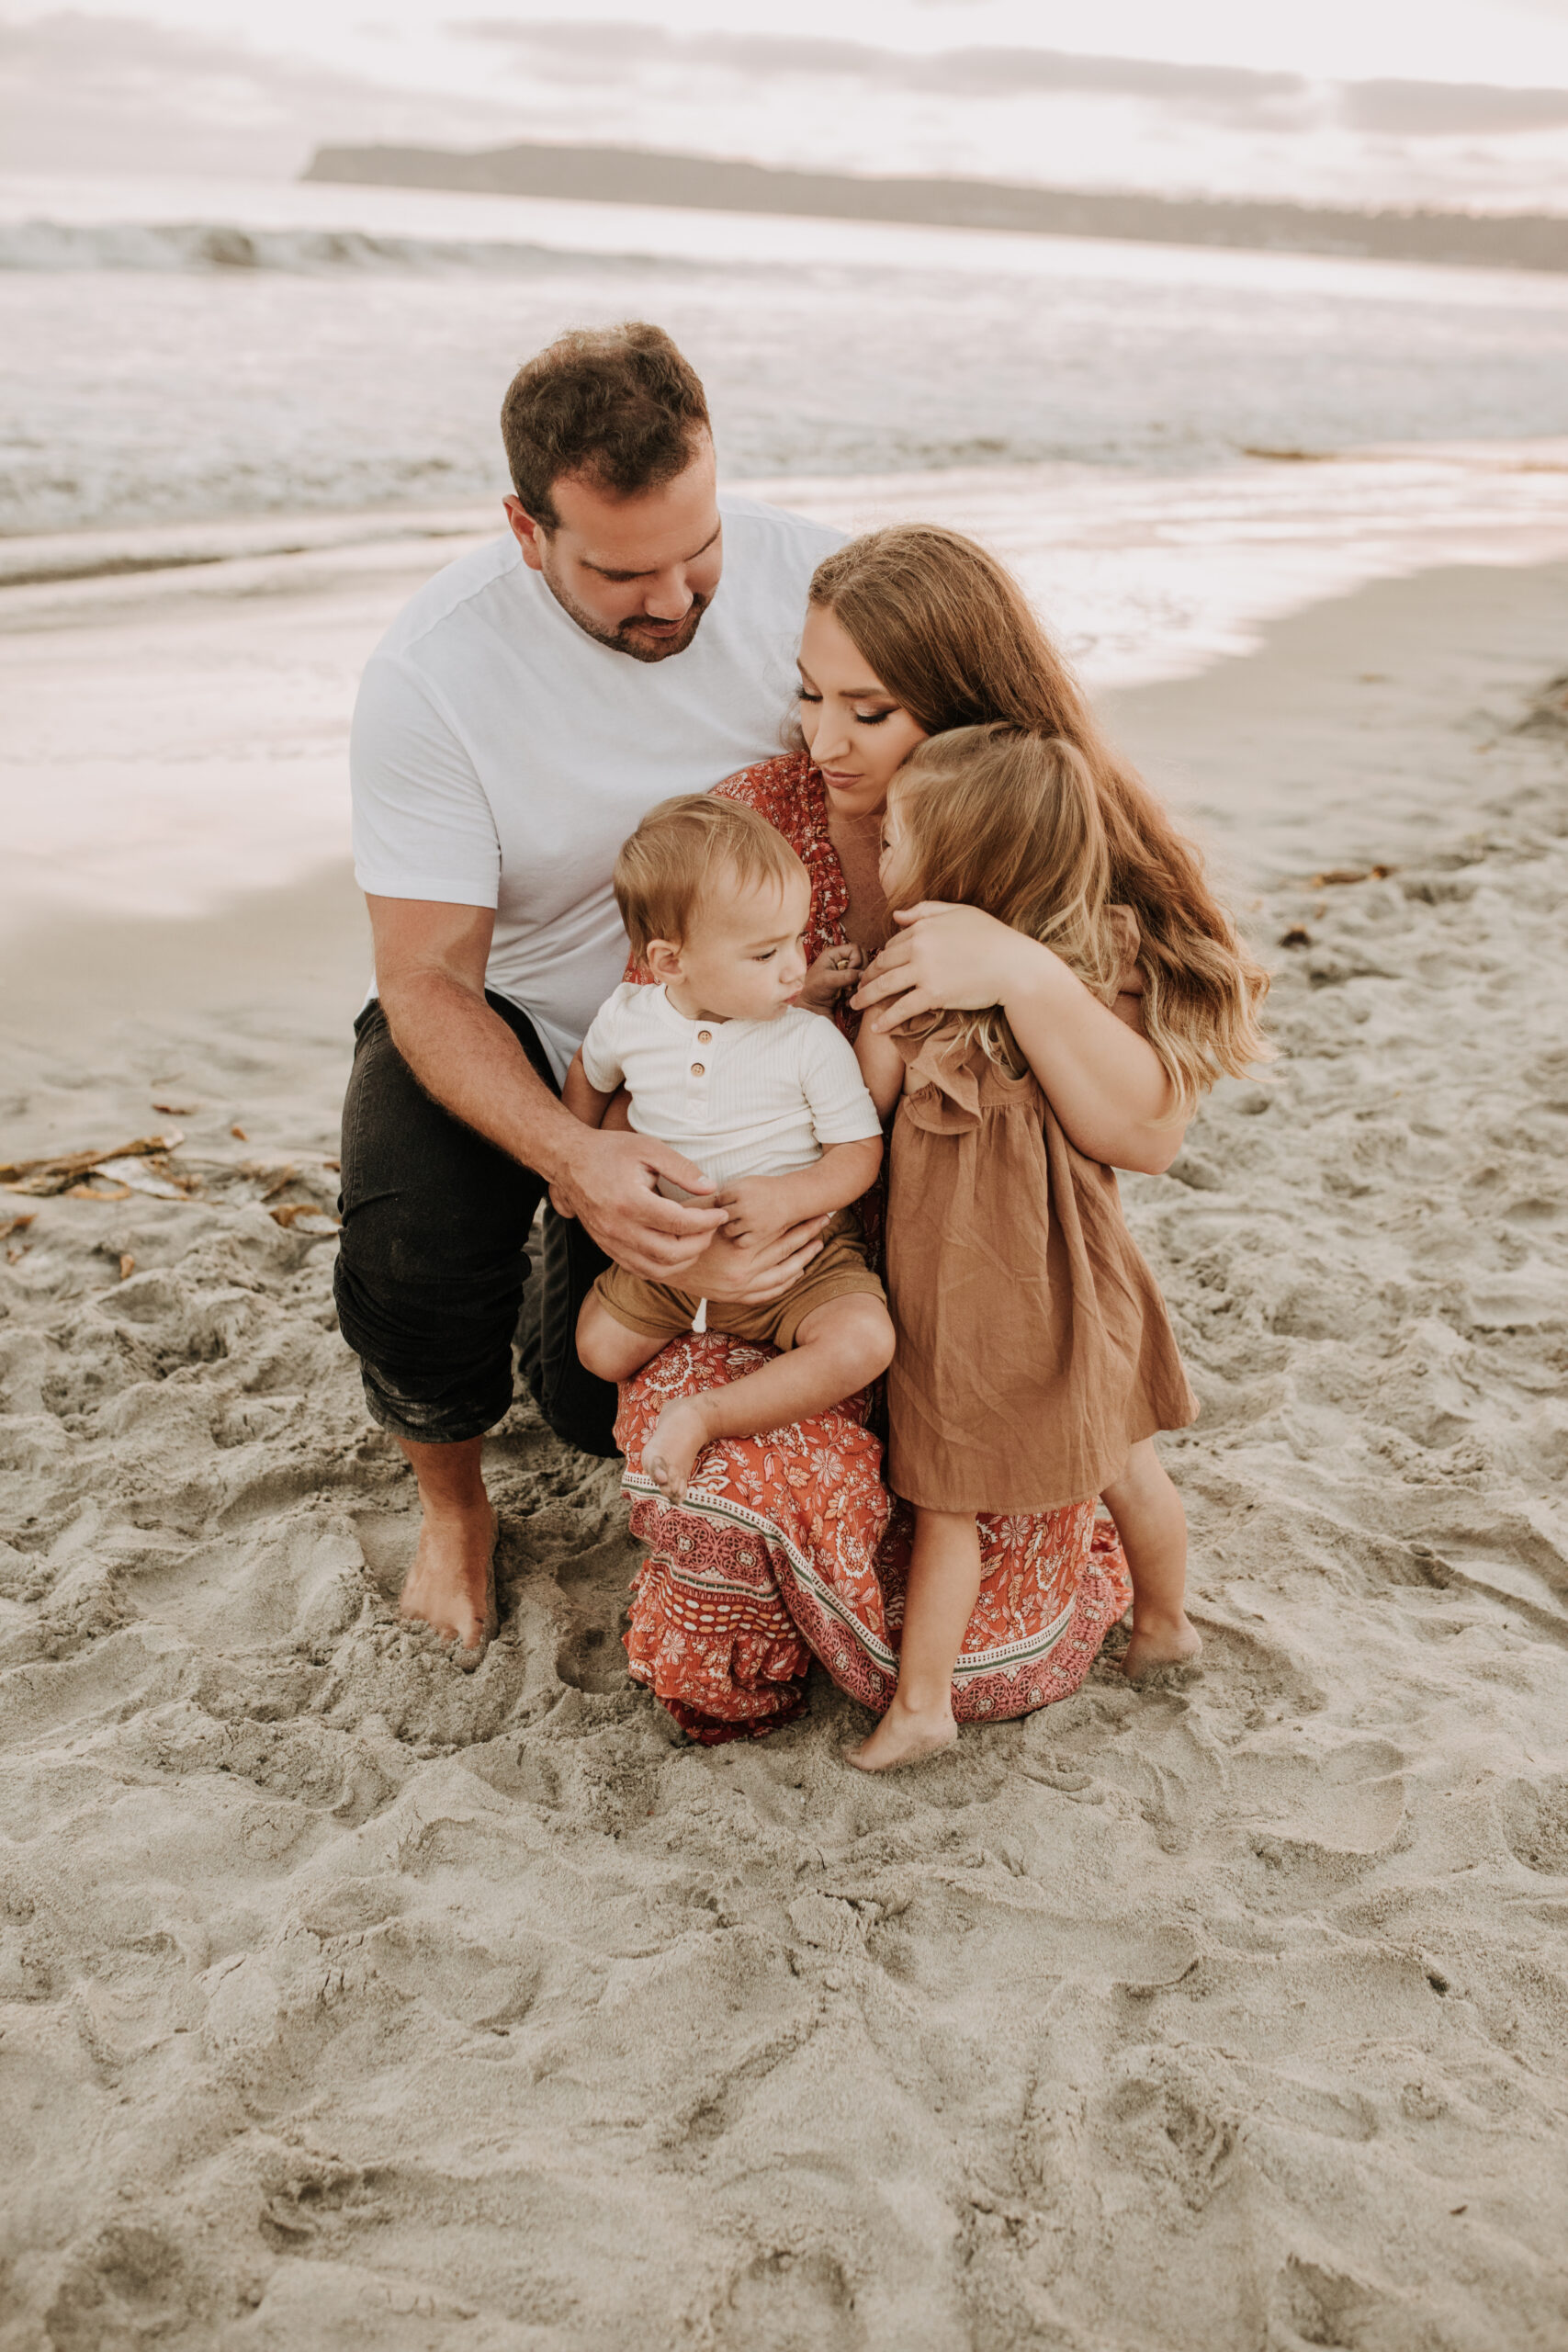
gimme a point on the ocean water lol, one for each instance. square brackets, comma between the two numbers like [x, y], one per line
[249, 420]
[174, 350]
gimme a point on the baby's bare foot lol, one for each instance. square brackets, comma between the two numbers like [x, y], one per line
[1168, 1641]
[670, 1455]
[903, 1736]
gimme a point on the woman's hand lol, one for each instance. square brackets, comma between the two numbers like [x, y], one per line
[945, 959]
[836, 970]
[761, 1268]
[1103, 1079]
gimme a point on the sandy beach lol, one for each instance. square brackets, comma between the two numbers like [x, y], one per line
[348, 2001]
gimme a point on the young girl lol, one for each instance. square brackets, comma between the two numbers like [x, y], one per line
[1034, 1359]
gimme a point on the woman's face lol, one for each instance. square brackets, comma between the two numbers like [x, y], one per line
[857, 733]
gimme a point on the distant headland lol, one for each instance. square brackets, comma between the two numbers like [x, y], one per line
[706, 183]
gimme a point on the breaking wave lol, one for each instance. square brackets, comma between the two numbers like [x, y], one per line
[202, 246]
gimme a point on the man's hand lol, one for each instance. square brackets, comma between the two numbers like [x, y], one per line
[836, 970]
[611, 1182]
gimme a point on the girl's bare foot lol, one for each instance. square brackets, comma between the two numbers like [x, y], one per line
[451, 1586]
[1160, 1641]
[903, 1736]
[670, 1455]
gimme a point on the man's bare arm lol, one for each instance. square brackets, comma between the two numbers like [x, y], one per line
[430, 976]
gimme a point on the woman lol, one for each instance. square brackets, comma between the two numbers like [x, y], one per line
[797, 1547]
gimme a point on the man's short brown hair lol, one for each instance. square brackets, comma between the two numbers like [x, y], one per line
[679, 850]
[618, 404]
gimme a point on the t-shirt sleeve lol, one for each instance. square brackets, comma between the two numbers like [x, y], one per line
[842, 1110]
[602, 1063]
[422, 826]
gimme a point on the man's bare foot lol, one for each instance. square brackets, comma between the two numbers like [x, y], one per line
[670, 1455]
[451, 1586]
[903, 1736]
[1165, 1641]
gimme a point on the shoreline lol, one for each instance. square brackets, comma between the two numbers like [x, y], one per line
[1501, 630]
[182, 715]
[112, 550]
[346, 1992]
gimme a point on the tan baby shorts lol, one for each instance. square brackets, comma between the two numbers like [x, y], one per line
[838, 1269]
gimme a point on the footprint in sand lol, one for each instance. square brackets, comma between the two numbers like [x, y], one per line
[595, 1585]
[1342, 1801]
[591, 1660]
[1535, 1823]
[1312, 2305]
[788, 2302]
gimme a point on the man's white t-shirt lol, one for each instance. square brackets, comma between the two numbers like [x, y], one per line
[741, 1098]
[501, 756]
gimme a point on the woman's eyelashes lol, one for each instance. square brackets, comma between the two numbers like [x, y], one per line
[860, 718]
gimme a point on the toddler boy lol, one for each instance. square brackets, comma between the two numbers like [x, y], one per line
[720, 1059]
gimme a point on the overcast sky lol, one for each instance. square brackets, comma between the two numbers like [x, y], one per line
[1354, 100]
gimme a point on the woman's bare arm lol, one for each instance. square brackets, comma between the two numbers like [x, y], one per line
[1103, 1079]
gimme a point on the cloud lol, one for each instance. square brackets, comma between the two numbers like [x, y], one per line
[581, 50]
[1234, 95]
[95, 94]
[1451, 110]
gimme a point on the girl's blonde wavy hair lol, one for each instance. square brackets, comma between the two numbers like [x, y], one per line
[947, 630]
[1011, 823]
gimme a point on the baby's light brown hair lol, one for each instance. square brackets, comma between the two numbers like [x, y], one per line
[685, 849]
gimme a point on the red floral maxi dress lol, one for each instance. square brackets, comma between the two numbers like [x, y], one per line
[795, 1548]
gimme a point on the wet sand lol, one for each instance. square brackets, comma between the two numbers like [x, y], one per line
[345, 2000]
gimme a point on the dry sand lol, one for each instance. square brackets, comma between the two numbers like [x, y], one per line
[349, 2001]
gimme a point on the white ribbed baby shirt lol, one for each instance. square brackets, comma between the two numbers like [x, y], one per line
[741, 1098]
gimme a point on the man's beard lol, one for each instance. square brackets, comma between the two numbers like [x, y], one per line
[624, 637]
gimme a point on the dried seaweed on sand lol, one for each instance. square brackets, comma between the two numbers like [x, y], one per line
[43, 1177]
[147, 1167]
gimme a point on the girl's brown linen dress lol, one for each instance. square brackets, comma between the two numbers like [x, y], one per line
[1034, 1349]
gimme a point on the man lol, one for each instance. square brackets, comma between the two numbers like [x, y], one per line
[524, 711]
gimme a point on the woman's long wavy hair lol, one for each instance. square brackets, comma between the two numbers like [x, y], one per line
[947, 629]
